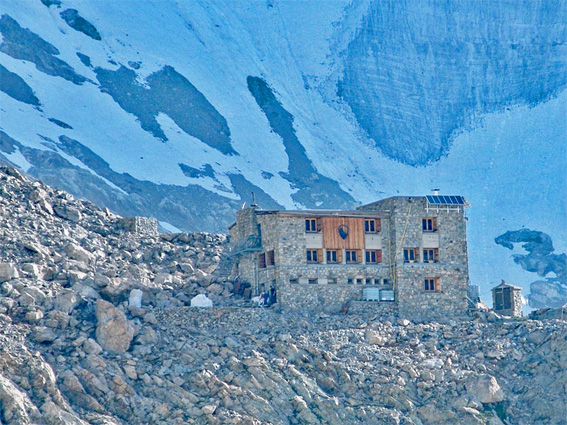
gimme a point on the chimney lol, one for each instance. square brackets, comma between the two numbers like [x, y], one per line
[435, 192]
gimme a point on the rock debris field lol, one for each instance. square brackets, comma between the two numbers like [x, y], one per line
[96, 328]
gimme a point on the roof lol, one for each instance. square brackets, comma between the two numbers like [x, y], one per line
[507, 285]
[323, 213]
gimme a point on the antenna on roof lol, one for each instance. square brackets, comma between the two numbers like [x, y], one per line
[435, 192]
[254, 200]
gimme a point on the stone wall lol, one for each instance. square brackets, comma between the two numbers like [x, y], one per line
[401, 228]
[452, 268]
[448, 301]
[141, 226]
[379, 310]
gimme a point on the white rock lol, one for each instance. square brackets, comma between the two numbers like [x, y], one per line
[201, 300]
[135, 299]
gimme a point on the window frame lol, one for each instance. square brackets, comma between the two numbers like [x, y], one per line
[270, 258]
[435, 254]
[312, 225]
[349, 253]
[377, 254]
[262, 260]
[431, 284]
[314, 254]
[429, 224]
[415, 252]
[330, 253]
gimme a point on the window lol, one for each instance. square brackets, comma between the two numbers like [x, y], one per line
[385, 281]
[350, 281]
[374, 257]
[371, 225]
[429, 224]
[359, 281]
[270, 258]
[332, 281]
[294, 281]
[262, 261]
[313, 256]
[332, 256]
[431, 284]
[411, 255]
[311, 225]
[312, 281]
[368, 281]
[430, 255]
[352, 256]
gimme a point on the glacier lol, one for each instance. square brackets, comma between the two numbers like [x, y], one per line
[155, 108]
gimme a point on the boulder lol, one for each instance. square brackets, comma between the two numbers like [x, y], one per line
[114, 332]
[68, 212]
[8, 272]
[485, 389]
[16, 405]
[66, 301]
[76, 252]
[201, 300]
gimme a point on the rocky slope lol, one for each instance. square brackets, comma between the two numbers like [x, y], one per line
[179, 109]
[96, 328]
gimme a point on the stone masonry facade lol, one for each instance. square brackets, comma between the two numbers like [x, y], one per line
[411, 263]
[141, 226]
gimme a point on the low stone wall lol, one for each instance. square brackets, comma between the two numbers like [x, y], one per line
[142, 226]
[330, 299]
[381, 310]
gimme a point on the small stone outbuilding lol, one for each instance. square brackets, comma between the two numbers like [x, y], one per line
[507, 300]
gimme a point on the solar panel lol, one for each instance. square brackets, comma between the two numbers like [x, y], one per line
[445, 200]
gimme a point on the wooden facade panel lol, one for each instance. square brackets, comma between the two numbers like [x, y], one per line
[331, 235]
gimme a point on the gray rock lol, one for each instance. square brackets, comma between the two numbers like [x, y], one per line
[485, 389]
[66, 301]
[114, 332]
[8, 271]
[78, 253]
[68, 212]
[43, 334]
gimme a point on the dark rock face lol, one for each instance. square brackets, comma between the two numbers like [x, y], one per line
[78, 23]
[206, 171]
[551, 292]
[21, 43]
[315, 190]
[14, 86]
[171, 93]
[418, 70]
[244, 189]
